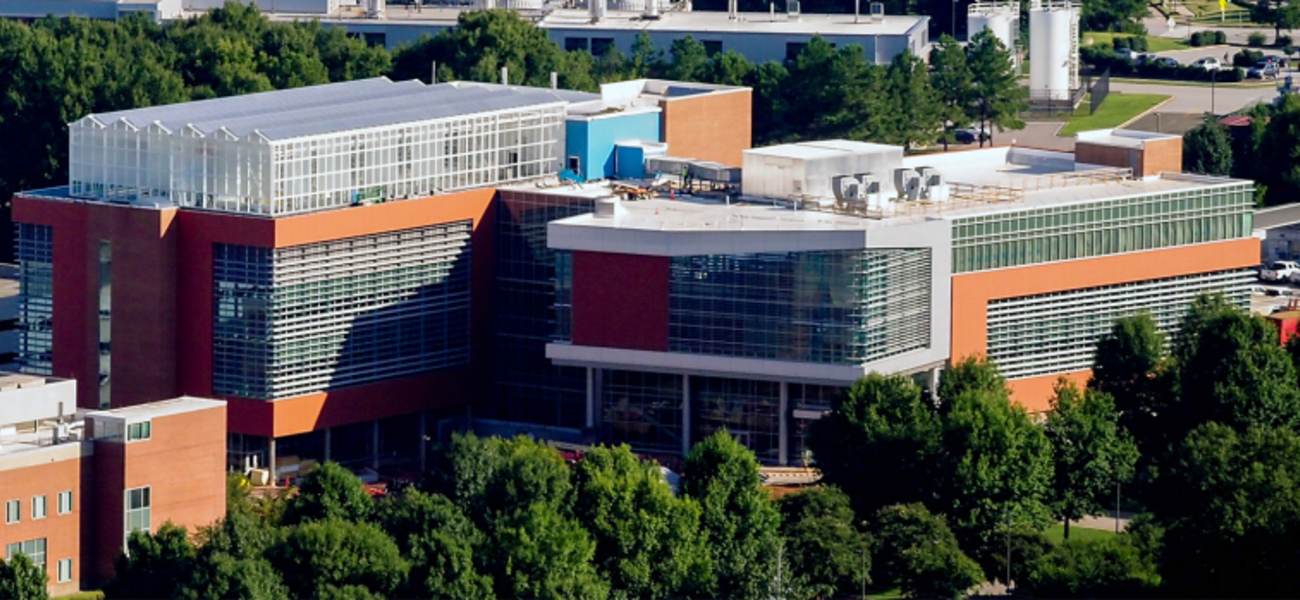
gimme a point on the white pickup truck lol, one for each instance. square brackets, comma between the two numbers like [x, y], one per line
[1280, 270]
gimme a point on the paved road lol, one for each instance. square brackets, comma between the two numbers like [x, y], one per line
[1194, 99]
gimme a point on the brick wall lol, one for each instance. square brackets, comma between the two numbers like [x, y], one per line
[715, 126]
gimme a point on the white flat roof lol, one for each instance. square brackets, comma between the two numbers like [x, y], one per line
[163, 408]
[334, 107]
[718, 22]
[820, 149]
[670, 21]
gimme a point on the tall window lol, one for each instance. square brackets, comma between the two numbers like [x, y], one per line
[38, 507]
[137, 510]
[35, 298]
[33, 549]
[105, 321]
[13, 511]
[65, 570]
[65, 502]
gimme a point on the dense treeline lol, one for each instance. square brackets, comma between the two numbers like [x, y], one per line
[1201, 430]
[55, 71]
[1263, 150]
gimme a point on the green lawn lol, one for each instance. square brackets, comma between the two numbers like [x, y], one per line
[82, 596]
[1154, 44]
[883, 593]
[1115, 111]
[1056, 533]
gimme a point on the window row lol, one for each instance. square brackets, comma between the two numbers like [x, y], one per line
[14, 508]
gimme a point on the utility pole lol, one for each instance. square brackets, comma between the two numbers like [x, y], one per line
[1008, 511]
[1214, 78]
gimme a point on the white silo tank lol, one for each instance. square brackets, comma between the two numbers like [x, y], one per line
[596, 10]
[638, 5]
[1002, 18]
[1053, 48]
[521, 4]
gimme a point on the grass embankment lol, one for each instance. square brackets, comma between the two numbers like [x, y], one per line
[1154, 44]
[1056, 533]
[1115, 111]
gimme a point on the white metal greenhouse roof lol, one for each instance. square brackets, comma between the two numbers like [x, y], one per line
[335, 107]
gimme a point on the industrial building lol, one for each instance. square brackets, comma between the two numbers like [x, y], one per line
[350, 277]
[76, 483]
[759, 37]
[323, 258]
[843, 258]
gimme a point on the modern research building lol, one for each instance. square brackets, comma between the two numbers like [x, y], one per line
[355, 267]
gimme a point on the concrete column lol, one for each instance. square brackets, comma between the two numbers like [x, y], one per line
[783, 454]
[329, 439]
[934, 385]
[686, 414]
[591, 398]
[270, 453]
[374, 444]
[423, 443]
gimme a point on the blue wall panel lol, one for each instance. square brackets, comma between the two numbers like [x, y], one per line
[593, 141]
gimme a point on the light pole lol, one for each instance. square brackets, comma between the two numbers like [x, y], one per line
[1214, 79]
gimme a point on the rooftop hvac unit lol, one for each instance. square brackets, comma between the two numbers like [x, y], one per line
[871, 191]
[596, 10]
[907, 183]
[877, 11]
[933, 187]
[849, 194]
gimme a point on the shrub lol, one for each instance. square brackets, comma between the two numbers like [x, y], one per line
[1121, 43]
[1220, 37]
[1246, 58]
[1139, 43]
[1256, 40]
[1282, 41]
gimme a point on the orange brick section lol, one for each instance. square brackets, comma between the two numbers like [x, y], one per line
[184, 464]
[714, 126]
[1110, 156]
[1161, 156]
[62, 533]
[971, 292]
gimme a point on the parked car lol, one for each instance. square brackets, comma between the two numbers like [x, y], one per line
[970, 135]
[1208, 63]
[1279, 270]
[1165, 61]
[1146, 57]
[1127, 54]
[1263, 70]
[1280, 61]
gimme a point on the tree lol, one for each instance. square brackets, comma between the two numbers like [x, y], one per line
[540, 554]
[465, 468]
[648, 542]
[884, 418]
[1281, 14]
[1229, 503]
[996, 97]
[440, 541]
[835, 92]
[740, 522]
[1110, 568]
[918, 116]
[689, 60]
[1090, 452]
[156, 565]
[321, 558]
[1112, 15]
[972, 373]
[1279, 144]
[1127, 365]
[920, 554]
[996, 470]
[329, 492]
[230, 561]
[20, 579]
[951, 78]
[824, 547]
[1207, 149]
[1237, 375]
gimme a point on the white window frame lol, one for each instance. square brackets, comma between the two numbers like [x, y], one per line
[40, 508]
[13, 512]
[62, 495]
[127, 510]
[64, 573]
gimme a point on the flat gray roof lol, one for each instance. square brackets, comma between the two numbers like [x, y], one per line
[335, 107]
[756, 23]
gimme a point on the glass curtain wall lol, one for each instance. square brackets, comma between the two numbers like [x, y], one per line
[35, 298]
